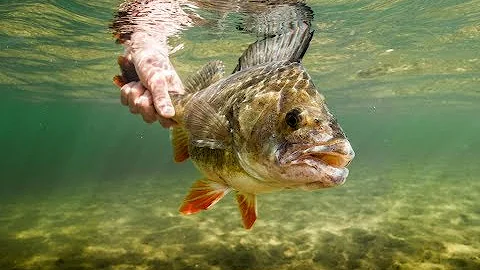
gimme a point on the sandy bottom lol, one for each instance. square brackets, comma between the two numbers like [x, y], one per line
[389, 221]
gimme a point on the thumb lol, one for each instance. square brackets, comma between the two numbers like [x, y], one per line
[162, 102]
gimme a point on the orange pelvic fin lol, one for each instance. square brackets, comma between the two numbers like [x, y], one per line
[180, 144]
[247, 204]
[203, 194]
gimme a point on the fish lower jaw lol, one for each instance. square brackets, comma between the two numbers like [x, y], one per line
[329, 175]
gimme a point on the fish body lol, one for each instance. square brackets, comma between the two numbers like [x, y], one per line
[263, 128]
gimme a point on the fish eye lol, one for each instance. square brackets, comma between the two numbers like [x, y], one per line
[293, 118]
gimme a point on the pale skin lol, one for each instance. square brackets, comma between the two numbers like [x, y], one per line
[150, 97]
[151, 23]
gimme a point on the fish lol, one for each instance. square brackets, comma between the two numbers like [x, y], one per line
[263, 128]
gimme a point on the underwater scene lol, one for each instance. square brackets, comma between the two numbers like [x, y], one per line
[85, 184]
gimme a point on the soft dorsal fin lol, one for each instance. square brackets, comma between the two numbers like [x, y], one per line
[207, 75]
[290, 46]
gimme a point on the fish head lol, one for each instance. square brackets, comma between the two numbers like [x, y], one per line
[294, 141]
[312, 149]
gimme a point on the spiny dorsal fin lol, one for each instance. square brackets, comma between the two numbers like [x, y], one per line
[289, 46]
[207, 75]
[207, 128]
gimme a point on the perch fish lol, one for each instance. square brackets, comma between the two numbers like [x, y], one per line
[263, 128]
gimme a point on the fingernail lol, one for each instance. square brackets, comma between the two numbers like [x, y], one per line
[167, 111]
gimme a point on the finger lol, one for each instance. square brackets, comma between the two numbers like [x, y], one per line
[136, 91]
[125, 91]
[147, 95]
[161, 98]
[147, 119]
[166, 122]
[164, 106]
[148, 114]
[145, 105]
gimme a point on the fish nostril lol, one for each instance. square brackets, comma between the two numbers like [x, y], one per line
[317, 121]
[336, 130]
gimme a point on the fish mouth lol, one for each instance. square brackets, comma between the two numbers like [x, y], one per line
[337, 155]
[330, 158]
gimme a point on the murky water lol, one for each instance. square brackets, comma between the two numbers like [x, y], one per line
[87, 185]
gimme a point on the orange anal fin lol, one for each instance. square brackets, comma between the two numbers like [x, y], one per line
[203, 195]
[247, 204]
[180, 144]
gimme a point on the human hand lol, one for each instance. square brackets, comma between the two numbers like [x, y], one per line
[146, 84]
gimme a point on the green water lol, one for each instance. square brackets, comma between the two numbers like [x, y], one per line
[87, 185]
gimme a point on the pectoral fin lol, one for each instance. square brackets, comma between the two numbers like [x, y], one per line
[180, 144]
[203, 194]
[247, 204]
[206, 126]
